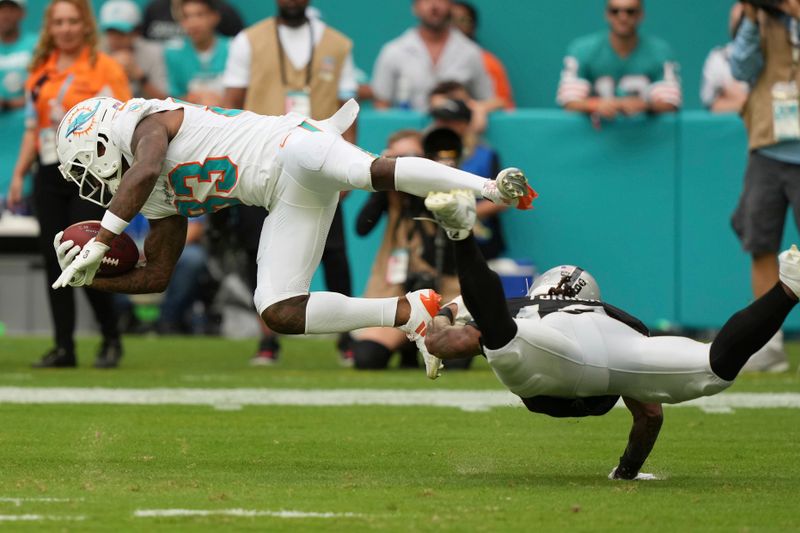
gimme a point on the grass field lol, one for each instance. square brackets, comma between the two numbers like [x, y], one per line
[368, 467]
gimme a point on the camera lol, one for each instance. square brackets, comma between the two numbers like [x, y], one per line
[769, 6]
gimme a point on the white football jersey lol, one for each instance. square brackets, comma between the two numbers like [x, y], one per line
[219, 157]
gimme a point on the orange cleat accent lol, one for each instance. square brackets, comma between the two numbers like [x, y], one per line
[526, 202]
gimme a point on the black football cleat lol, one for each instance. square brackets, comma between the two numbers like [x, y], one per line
[109, 355]
[57, 358]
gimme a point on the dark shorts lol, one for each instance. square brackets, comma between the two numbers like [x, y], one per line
[770, 186]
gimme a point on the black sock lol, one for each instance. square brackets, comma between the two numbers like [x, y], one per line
[483, 295]
[748, 331]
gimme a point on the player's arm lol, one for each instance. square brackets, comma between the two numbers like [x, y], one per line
[647, 420]
[149, 145]
[162, 248]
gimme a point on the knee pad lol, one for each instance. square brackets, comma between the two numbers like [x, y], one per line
[309, 150]
[370, 355]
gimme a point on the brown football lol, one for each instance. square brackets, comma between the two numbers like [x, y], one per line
[122, 256]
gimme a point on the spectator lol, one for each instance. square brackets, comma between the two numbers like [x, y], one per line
[16, 50]
[162, 20]
[142, 60]
[66, 69]
[412, 255]
[196, 63]
[621, 72]
[409, 66]
[311, 72]
[465, 18]
[292, 76]
[762, 56]
[721, 92]
[448, 111]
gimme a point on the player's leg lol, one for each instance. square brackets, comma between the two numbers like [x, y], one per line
[292, 241]
[333, 163]
[481, 288]
[750, 329]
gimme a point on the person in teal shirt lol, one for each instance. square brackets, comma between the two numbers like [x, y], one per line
[195, 63]
[16, 51]
[620, 72]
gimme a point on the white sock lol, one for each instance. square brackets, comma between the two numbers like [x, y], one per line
[331, 312]
[419, 176]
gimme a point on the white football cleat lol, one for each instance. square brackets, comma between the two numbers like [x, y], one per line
[641, 476]
[424, 306]
[433, 364]
[790, 269]
[510, 187]
[454, 211]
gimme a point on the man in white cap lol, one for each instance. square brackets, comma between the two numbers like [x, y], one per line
[142, 60]
[16, 50]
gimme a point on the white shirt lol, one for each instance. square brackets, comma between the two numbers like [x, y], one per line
[296, 43]
[717, 74]
[405, 75]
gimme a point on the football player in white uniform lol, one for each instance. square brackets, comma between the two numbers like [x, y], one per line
[566, 353]
[169, 160]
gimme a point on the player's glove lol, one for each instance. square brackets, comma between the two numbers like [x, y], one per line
[641, 476]
[82, 269]
[65, 251]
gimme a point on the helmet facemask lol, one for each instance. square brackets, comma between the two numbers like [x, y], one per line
[96, 189]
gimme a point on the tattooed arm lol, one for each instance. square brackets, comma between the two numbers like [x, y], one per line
[149, 144]
[647, 420]
[162, 248]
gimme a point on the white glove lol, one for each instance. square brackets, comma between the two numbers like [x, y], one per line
[83, 268]
[65, 251]
[641, 476]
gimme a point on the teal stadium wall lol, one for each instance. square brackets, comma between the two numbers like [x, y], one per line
[644, 203]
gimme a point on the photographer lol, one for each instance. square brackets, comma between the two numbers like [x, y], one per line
[766, 55]
[414, 253]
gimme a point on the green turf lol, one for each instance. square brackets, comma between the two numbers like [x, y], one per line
[399, 468]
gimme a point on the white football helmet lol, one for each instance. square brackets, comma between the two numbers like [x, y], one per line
[87, 155]
[566, 280]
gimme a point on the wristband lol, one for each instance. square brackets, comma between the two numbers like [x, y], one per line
[446, 312]
[113, 223]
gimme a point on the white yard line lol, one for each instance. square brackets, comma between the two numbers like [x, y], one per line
[168, 513]
[38, 518]
[19, 501]
[231, 399]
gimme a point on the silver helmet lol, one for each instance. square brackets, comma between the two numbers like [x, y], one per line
[566, 280]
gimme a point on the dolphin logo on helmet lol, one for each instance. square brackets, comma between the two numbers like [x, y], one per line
[77, 124]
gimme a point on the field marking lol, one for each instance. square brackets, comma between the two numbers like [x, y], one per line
[247, 513]
[19, 501]
[38, 517]
[233, 399]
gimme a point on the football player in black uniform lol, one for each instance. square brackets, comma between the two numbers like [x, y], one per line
[568, 354]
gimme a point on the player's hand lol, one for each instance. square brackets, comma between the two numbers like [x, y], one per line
[641, 476]
[84, 267]
[65, 251]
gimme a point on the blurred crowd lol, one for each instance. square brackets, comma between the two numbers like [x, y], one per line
[200, 51]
